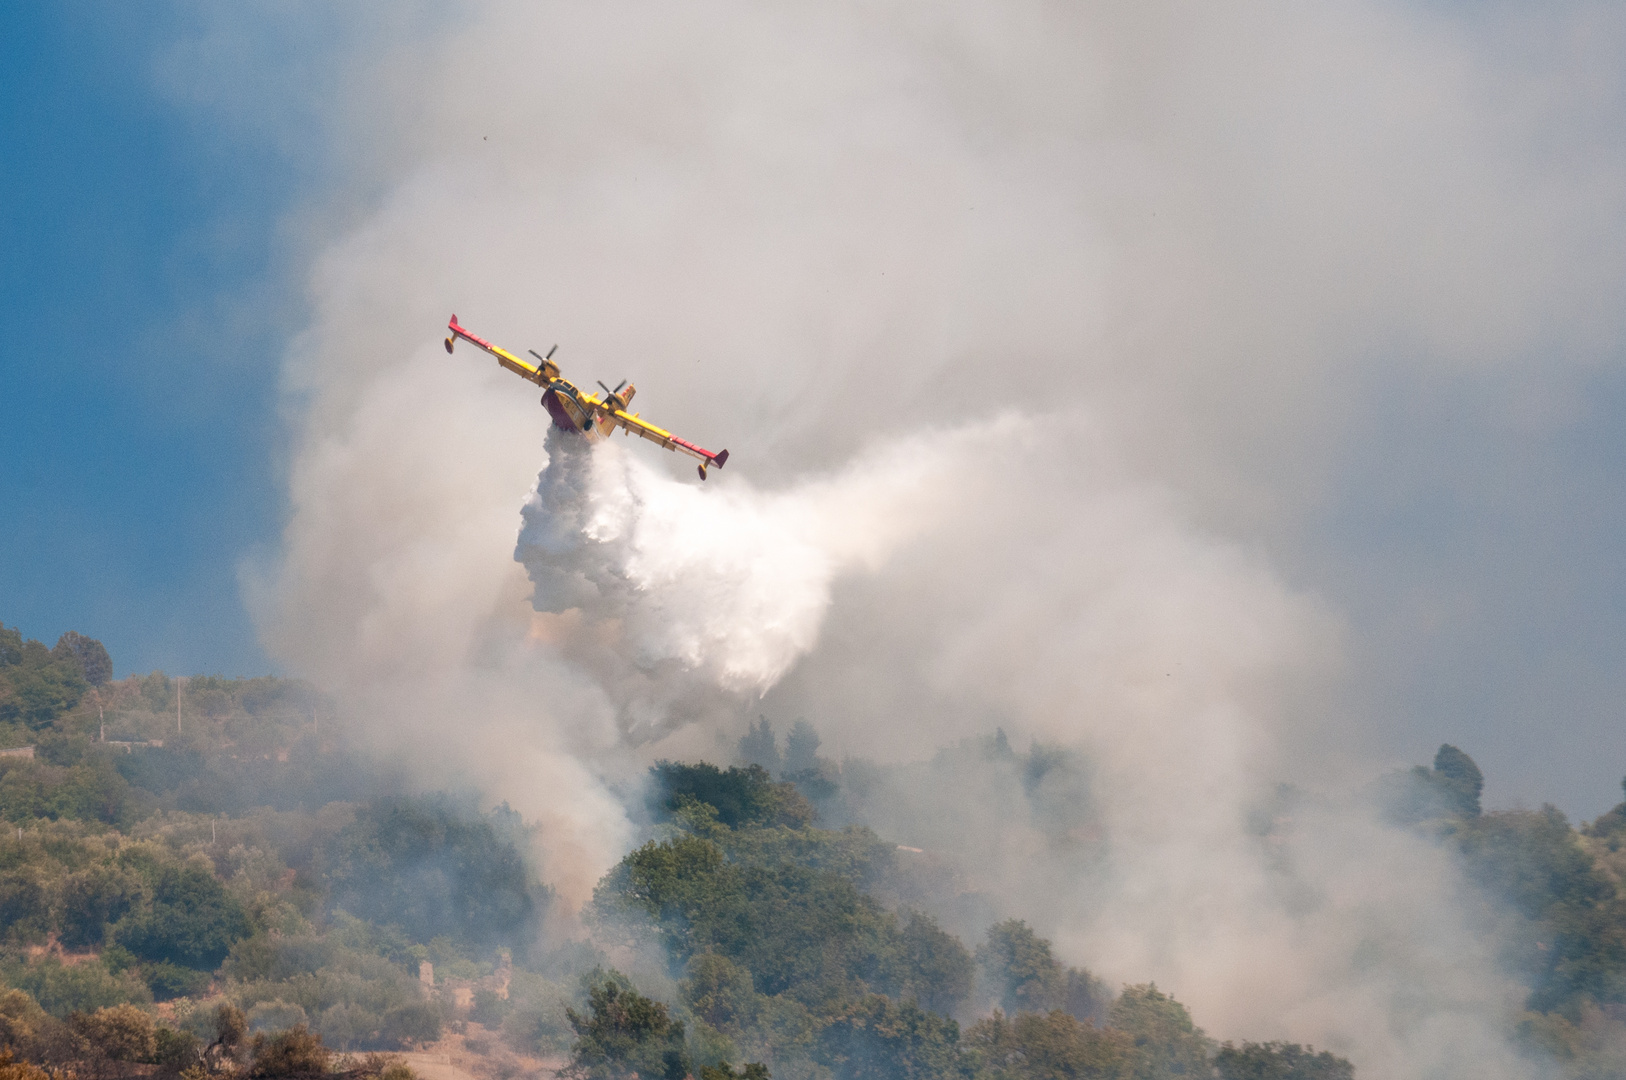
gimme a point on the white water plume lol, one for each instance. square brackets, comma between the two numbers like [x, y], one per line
[671, 592]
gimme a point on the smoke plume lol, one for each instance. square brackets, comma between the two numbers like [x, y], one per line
[1035, 331]
[669, 590]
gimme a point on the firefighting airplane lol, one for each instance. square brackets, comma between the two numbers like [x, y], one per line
[581, 412]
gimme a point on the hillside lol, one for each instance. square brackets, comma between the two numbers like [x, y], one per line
[203, 877]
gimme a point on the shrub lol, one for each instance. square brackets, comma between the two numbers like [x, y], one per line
[95, 666]
[25, 905]
[433, 869]
[62, 988]
[295, 1052]
[1166, 1041]
[169, 981]
[1019, 964]
[191, 922]
[933, 967]
[415, 1022]
[91, 898]
[118, 1033]
[625, 1034]
[747, 796]
[21, 1022]
[1280, 1061]
[20, 1070]
[878, 1039]
[176, 1051]
[1038, 1046]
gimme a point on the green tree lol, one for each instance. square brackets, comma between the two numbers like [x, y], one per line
[1280, 1061]
[40, 688]
[1584, 958]
[191, 920]
[1534, 861]
[760, 746]
[1461, 779]
[11, 646]
[25, 904]
[21, 1070]
[1449, 790]
[228, 1034]
[436, 869]
[1086, 997]
[92, 790]
[933, 967]
[801, 749]
[1534, 857]
[292, 1053]
[719, 992]
[157, 692]
[876, 1038]
[22, 1021]
[1048, 1046]
[116, 1033]
[1166, 1042]
[799, 930]
[95, 666]
[1019, 964]
[624, 1034]
[741, 796]
[175, 1051]
[62, 989]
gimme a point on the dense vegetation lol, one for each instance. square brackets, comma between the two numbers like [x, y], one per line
[202, 876]
[150, 877]
[785, 958]
[1563, 898]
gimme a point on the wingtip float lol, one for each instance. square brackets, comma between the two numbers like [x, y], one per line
[577, 410]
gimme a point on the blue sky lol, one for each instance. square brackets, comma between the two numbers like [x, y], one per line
[138, 428]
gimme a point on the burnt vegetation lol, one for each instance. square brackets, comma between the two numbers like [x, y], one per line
[201, 878]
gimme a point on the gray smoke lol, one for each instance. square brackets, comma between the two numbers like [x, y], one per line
[1034, 330]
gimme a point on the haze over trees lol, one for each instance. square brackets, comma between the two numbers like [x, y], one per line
[250, 895]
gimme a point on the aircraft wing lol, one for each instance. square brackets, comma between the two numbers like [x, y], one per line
[660, 436]
[539, 375]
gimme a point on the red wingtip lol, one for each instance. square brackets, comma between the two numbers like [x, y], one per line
[721, 459]
[453, 324]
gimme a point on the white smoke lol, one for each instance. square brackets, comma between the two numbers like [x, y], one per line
[1167, 240]
[720, 588]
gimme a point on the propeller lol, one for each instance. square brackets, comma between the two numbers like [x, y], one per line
[542, 358]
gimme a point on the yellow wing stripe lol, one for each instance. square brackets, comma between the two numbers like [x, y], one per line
[516, 365]
[643, 427]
